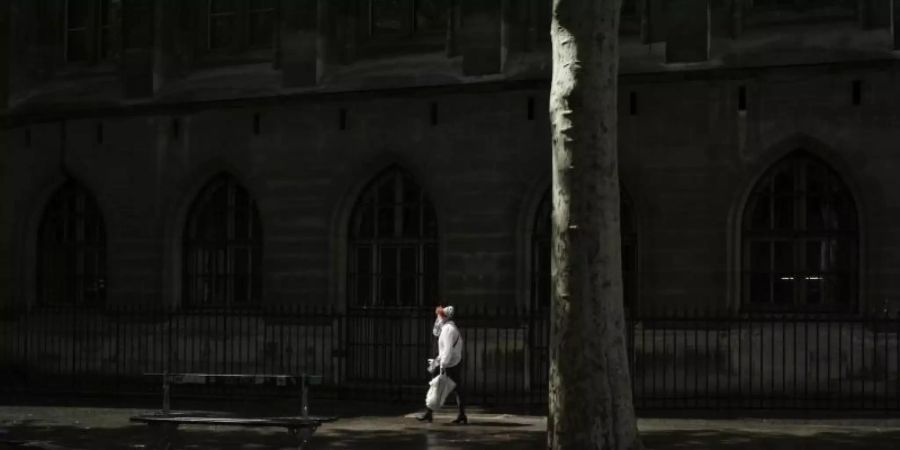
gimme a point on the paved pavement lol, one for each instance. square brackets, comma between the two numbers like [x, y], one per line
[99, 427]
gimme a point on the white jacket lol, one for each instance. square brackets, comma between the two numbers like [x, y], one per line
[450, 345]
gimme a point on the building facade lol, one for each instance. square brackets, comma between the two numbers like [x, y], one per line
[390, 153]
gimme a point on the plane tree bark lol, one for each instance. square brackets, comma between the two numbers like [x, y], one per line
[590, 386]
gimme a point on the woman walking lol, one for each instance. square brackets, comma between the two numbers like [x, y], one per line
[448, 360]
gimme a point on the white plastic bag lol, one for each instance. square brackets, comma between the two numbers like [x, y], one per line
[439, 388]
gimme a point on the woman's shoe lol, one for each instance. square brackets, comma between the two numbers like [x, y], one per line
[425, 417]
[461, 420]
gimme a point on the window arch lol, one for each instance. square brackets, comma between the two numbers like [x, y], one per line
[222, 247]
[800, 239]
[71, 255]
[393, 245]
[540, 253]
[235, 26]
[406, 17]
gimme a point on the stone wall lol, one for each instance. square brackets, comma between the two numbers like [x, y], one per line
[688, 157]
[471, 127]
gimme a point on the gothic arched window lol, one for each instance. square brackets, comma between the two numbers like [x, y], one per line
[540, 253]
[241, 25]
[800, 237]
[223, 247]
[92, 30]
[71, 253]
[393, 245]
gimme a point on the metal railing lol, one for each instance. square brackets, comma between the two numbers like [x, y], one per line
[683, 360]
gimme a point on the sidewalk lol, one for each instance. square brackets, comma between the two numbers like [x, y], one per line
[76, 427]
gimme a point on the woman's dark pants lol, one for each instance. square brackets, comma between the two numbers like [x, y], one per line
[455, 374]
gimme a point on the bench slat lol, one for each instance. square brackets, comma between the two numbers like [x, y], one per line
[312, 421]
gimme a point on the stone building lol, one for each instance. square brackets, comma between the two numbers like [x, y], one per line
[381, 153]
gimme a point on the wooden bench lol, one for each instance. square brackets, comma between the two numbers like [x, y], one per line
[164, 424]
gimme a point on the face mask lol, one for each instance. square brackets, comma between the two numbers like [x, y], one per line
[438, 323]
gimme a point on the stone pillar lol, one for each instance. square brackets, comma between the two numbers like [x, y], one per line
[537, 18]
[737, 18]
[882, 16]
[23, 31]
[137, 66]
[5, 197]
[687, 37]
[653, 21]
[508, 30]
[482, 37]
[166, 64]
[644, 18]
[48, 53]
[6, 60]
[454, 15]
[8, 63]
[874, 14]
[328, 52]
[300, 64]
[349, 29]
[895, 23]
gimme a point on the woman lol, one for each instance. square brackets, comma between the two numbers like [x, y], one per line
[448, 360]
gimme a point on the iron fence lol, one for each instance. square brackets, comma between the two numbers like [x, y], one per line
[685, 360]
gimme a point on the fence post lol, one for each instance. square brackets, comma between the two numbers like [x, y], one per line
[74, 373]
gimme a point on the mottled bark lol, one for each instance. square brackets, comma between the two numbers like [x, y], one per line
[590, 387]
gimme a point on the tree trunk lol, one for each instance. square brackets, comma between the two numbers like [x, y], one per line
[590, 386]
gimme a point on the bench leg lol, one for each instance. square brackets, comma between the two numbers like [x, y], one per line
[301, 436]
[162, 436]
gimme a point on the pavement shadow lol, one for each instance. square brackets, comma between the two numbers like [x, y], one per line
[431, 439]
[265, 406]
[741, 440]
[402, 434]
[489, 424]
[208, 438]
